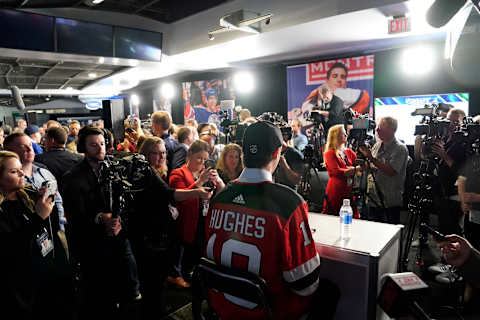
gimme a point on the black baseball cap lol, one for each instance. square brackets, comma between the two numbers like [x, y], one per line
[261, 139]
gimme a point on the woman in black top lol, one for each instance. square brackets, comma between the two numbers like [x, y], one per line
[30, 248]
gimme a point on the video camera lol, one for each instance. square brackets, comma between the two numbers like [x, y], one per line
[469, 133]
[361, 125]
[278, 121]
[120, 178]
[431, 127]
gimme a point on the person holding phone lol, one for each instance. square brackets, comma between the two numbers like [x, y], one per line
[192, 212]
[458, 252]
[35, 276]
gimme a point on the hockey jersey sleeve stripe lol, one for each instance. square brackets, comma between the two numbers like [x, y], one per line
[302, 270]
[308, 290]
[306, 284]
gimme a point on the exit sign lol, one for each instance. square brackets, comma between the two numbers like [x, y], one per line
[399, 25]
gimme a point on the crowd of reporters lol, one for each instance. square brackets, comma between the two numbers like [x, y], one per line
[69, 256]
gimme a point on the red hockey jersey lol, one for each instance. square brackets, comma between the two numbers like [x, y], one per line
[262, 227]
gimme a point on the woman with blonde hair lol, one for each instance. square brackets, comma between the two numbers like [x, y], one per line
[33, 260]
[153, 148]
[341, 170]
[230, 164]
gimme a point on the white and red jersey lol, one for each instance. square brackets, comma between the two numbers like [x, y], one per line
[262, 227]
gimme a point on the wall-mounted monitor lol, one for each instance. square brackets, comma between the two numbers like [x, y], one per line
[27, 31]
[401, 108]
[79, 37]
[138, 44]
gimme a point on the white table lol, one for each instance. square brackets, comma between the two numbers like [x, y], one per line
[356, 265]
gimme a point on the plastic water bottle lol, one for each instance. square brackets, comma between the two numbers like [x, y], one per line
[346, 215]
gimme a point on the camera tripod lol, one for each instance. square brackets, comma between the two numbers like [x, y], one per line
[419, 205]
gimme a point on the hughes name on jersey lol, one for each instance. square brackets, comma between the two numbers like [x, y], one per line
[263, 228]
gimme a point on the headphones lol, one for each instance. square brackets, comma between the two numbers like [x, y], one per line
[84, 133]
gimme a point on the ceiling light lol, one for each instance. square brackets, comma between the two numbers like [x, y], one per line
[101, 60]
[167, 90]
[135, 100]
[92, 3]
[243, 82]
[69, 89]
[92, 75]
[418, 61]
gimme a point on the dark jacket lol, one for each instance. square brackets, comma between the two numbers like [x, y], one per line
[83, 200]
[31, 285]
[179, 156]
[58, 161]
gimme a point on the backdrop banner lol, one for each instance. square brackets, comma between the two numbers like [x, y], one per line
[201, 99]
[351, 79]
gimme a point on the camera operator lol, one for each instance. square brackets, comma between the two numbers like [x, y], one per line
[290, 167]
[388, 157]
[452, 155]
[98, 242]
[328, 105]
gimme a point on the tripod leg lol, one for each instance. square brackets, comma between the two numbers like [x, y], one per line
[412, 224]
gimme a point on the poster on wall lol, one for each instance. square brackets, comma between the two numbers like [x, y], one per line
[402, 107]
[201, 99]
[350, 79]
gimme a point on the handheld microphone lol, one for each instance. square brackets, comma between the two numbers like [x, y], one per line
[17, 97]
[397, 295]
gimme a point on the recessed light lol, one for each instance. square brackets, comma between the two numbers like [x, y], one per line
[101, 60]
[92, 75]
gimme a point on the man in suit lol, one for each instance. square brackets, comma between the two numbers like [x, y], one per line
[56, 158]
[186, 136]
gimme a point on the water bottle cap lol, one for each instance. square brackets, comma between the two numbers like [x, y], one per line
[346, 202]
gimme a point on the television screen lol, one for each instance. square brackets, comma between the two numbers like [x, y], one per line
[81, 37]
[401, 108]
[26, 31]
[138, 44]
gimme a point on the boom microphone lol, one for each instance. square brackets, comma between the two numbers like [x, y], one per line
[17, 97]
[442, 11]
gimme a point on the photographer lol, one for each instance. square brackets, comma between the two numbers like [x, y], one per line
[451, 152]
[326, 104]
[388, 158]
[290, 167]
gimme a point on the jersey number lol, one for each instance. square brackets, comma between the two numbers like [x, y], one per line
[248, 250]
[306, 238]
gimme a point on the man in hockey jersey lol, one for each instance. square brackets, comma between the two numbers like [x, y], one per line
[262, 226]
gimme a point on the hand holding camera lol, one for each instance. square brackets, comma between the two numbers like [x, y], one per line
[112, 225]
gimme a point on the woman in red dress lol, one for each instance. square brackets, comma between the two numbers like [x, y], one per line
[341, 170]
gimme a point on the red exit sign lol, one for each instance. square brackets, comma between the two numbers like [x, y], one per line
[399, 25]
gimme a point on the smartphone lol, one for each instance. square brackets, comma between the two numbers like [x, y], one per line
[209, 164]
[51, 186]
[437, 235]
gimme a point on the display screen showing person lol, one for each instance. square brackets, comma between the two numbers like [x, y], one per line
[260, 226]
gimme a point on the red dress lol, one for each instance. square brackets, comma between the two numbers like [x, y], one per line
[337, 187]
